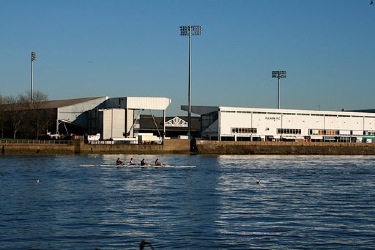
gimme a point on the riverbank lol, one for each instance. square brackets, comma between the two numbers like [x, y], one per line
[174, 146]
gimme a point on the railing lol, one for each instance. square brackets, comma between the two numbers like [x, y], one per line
[25, 141]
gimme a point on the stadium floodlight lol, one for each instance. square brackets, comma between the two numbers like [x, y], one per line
[33, 57]
[190, 30]
[278, 74]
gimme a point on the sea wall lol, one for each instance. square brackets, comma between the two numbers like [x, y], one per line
[32, 147]
[174, 146]
[170, 146]
[12, 147]
[284, 148]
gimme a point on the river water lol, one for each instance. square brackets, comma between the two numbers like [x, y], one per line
[225, 202]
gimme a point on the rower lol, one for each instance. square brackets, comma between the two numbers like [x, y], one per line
[157, 162]
[118, 162]
[131, 162]
[143, 162]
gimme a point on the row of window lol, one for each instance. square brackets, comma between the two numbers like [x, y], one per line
[275, 113]
[254, 131]
[244, 130]
[323, 132]
[298, 131]
[289, 131]
[337, 132]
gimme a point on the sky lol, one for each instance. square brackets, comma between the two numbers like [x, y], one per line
[117, 48]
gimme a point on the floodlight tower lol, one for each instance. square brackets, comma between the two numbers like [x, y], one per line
[190, 30]
[278, 75]
[33, 57]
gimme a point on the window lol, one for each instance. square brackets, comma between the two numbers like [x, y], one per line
[372, 133]
[208, 119]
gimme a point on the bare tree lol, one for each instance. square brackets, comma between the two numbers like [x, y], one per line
[2, 116]
[16, 108]
[38, 115]
[24, 117]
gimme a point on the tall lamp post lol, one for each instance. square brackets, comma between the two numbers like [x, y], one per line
[278, 75]
[33, 57]
[190, 30]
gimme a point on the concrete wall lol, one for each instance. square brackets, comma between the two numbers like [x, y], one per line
[36, 148]
[201, 147]
[284, 148]
[112, 123]
[172, 146]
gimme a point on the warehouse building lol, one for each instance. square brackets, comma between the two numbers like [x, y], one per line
[260, 124]
[112, 118]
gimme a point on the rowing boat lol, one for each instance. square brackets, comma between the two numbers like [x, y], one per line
[135, 166]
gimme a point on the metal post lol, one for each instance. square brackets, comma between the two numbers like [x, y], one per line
[189, 90]
[278, 75]
[278, 90]
[33, 57]
[190, 31]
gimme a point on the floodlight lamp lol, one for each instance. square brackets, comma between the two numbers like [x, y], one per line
[197, 30]
[184, 30]
[33, 56]
[278, 74]
[274, 74]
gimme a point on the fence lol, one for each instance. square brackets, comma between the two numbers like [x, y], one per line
[25, 141]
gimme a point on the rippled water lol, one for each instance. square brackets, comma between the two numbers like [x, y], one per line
[226, 202]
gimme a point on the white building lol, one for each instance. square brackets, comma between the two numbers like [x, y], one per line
[120, 119]
[248, 124]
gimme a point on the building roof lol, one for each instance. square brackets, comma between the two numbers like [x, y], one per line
[50, 104]
[155, 103]
[201, 110]
[363, 110]
[68, 102]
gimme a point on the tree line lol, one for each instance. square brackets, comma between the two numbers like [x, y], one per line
[23, 117]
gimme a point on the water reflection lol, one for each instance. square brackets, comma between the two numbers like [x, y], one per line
[226, 202]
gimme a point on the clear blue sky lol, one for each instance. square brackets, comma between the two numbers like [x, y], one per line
[88, 48]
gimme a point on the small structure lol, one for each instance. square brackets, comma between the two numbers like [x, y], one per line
[119, 120]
